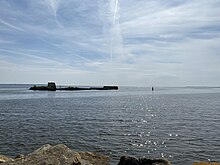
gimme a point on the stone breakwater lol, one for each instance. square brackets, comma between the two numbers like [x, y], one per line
[51, 86]
[62, 155]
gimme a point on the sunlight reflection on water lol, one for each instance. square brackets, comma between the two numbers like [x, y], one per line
[182, 127]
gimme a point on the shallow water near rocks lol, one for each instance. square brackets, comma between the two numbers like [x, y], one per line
[180, 124]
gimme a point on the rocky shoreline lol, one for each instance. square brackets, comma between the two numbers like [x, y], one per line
[62, 155]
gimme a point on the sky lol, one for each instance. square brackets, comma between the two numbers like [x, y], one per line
[110, 42]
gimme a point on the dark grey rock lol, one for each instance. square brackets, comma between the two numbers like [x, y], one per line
[129, 160]
[145, 161]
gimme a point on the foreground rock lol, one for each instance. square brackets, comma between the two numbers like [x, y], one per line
[57, 155]
[4, 159]
[128, 160]
[62, 155]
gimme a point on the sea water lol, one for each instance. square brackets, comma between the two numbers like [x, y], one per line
[179, 124]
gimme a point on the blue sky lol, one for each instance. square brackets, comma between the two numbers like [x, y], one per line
[110, 42]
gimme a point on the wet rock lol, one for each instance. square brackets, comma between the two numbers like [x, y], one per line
[128, 160]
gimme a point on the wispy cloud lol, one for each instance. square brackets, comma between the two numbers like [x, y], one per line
[11, 26]
[123, 42]
[54, 5]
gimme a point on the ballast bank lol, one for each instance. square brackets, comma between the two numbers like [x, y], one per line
[52, 87]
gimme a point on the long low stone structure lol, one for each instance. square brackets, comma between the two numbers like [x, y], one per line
[52, 87]
[62, 155]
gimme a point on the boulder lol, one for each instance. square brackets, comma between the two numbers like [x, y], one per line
[4, 159]
[62, 155]
[94, 158]
[57, 155]
[129, 160]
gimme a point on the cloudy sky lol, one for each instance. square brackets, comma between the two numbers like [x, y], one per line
[110, 42]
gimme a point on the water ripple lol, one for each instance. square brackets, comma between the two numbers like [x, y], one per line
[180, 127]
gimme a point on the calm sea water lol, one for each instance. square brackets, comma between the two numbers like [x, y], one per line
[180, 124]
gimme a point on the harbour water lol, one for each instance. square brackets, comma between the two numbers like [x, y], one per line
[180, 124]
